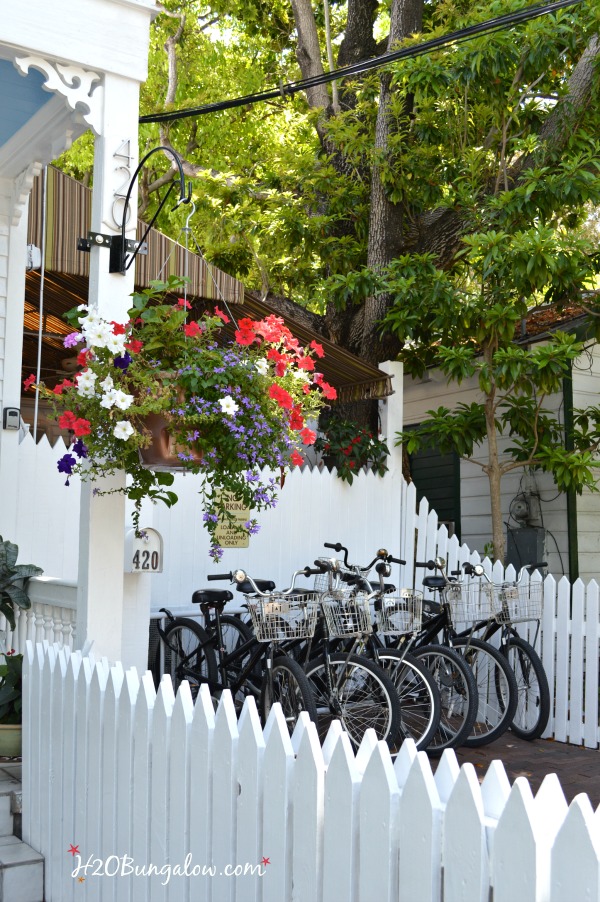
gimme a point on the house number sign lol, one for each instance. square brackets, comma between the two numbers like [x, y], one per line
[143, 552]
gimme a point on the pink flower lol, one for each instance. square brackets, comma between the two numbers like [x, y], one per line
[181, 302]
[296, 459]
[28, 382]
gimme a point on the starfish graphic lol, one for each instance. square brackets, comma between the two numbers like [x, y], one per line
[266, 861]
[74, 850]
[81, 879]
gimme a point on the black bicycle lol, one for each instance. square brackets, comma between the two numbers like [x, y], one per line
[516, 602]
[496, 683]
[435, 720]
[257, 665]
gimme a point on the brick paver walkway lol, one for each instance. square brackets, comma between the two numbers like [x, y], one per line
[578, 769]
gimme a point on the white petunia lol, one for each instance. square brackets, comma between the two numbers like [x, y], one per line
[86, 382]
[99, 335]
[228, 405]
[123, 429]
[262, 366]
[116, 344]
[107, 383]
[89, 322]
[108, 398]
[122, 400]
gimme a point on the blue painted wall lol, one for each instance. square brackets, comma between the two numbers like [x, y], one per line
[20, 98]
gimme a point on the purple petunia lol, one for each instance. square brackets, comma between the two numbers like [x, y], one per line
[72, 339]
[122, 363]
[79, 448]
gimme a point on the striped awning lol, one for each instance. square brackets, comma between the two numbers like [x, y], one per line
[69, 206]
[66, 275]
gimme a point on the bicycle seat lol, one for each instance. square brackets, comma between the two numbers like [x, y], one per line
[211, 598]
[263, 585]
[434, 582]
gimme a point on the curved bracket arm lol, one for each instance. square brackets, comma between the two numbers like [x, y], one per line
[119, 261]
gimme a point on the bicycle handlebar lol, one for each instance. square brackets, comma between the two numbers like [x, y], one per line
[240, 576]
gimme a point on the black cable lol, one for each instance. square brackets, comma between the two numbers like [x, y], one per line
[501, 23]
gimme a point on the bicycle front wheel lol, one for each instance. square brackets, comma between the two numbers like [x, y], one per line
[458, 695]
[496, 687]
[189, 655]
[533, 702]
[354, 690]
[288, 685]
[419, 697]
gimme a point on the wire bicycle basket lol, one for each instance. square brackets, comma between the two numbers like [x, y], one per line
[516, 604]
[469, 601]
[346, 613]
[280, 617]
[400, 613]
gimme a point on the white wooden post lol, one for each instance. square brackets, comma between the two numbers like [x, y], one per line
[112, 613]
[13, 243]
[391, 412]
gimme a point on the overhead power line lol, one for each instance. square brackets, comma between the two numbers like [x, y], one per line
[501, 23]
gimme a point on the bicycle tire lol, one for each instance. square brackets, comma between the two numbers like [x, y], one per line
[189, 654]
[458, 696]
[420, 704]
[533, 705]
[368, 698]
[496, 687]
[291, 688]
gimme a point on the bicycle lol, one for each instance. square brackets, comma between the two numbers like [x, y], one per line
[257, 665]
[347, 686]
[496, 682]
[513, 603]
[415, 671]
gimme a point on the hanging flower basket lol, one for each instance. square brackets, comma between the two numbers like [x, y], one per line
[163, 391]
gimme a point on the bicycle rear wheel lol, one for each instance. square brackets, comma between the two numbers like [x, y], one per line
[533, 704]
[420, 704]
[496, 686]
[458, 695]
[189, 654]
[357, 692]
[290, 687]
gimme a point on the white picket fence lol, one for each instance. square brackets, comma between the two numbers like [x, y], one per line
[151, 789]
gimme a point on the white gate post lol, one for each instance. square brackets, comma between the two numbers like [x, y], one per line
[391, 412]
[110, 612]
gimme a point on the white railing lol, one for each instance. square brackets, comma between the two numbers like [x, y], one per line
[132, 780]
[51, 617]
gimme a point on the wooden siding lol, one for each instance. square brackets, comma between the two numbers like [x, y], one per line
[476, 531]
[586, 392]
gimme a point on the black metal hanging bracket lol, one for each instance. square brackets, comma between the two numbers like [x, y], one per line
[123, 251]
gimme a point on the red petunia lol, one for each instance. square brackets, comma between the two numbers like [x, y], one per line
[118, 328]
[283, 398]
[308, 436]
[181, 302]
[134, 345]
[82, 427]
[192, 329]
[27, 383]
[221, 315]
[317, 348]
[82, 357]
[306, 363]
[245, 336]
[296, 419]
[329, 391]
[67, 420]
[296, 459]
[61, 386]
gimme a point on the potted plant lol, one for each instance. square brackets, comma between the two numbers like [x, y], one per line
[345, 445]
[174, 390]
[13, 581]
[11, 699]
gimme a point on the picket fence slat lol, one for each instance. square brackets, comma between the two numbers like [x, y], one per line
[117, 769]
